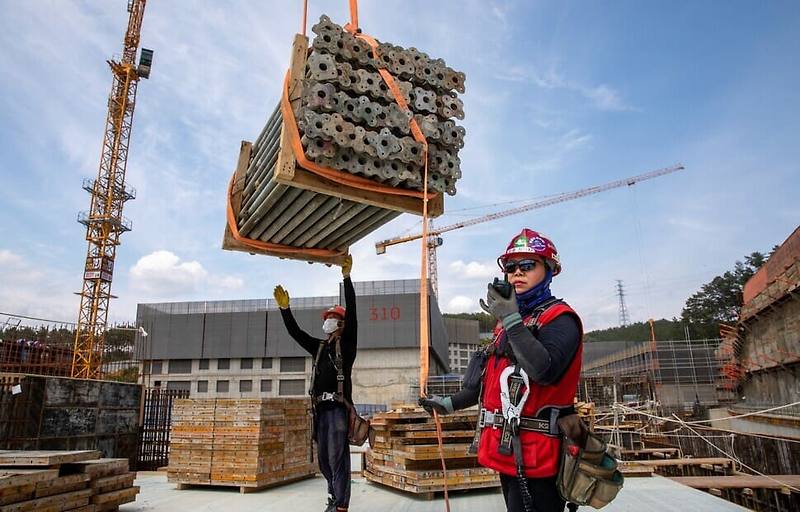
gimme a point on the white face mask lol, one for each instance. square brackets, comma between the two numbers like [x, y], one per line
[330, 325]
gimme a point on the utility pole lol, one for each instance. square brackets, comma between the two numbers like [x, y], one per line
[623, 310]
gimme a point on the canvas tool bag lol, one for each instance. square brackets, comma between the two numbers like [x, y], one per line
[587, 474]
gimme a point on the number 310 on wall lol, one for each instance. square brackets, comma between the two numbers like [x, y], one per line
[381, 314]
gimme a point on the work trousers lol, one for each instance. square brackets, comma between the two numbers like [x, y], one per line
[543, 491]
[333, 451]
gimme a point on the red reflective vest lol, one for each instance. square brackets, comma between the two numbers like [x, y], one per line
[540, 452]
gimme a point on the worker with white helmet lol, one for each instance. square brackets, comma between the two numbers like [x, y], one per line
[526, 379]
[331, 387]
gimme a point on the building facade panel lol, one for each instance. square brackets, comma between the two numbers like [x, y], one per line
[242, 349]
[217, 332]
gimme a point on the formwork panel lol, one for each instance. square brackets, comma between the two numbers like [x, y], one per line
[60, 413]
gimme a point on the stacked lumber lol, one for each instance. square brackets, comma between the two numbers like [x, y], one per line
[246, 443]
[406, 453]
[110, 481]
[56, 481]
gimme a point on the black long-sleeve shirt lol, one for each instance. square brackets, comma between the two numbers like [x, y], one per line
[545, 357]
[325, 380]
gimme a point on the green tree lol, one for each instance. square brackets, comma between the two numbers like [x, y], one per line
[486, 322]
[640, 331]
[720, 300]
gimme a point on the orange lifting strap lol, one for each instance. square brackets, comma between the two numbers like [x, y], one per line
[424, 308]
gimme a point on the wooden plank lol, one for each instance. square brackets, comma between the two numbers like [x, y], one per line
[19, 477]
[116, 497]
[307, 180]
[286, 163]
[638, 451]
[739, 481]
[17, 494]
[44, 457]
[113, 483]
[61, 485]
[239, 176]
[85, 508]
[56, 503]
[100, 467]
[716, 461]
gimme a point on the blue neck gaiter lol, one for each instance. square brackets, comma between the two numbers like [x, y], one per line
[528, 301]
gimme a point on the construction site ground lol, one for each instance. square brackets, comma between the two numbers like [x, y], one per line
[657, 494]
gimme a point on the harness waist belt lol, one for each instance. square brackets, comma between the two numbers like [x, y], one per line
[549, 426]
[326, 397]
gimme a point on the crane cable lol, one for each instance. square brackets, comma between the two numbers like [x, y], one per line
[424, 307]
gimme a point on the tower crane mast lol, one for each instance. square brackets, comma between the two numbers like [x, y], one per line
[435, 240]
[104, 221]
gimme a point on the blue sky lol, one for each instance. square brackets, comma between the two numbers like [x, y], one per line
[560, 96]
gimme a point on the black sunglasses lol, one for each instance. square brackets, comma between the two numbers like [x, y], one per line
[524, 265]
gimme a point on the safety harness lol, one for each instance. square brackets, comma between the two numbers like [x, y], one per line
[359, 429]
[327, 396]
[514, 393]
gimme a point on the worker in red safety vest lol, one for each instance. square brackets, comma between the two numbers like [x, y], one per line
[526, 379]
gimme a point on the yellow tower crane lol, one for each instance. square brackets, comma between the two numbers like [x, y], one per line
[434, 240]
[104, 221]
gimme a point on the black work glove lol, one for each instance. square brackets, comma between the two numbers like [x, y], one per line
[504, 309]
[440, 404]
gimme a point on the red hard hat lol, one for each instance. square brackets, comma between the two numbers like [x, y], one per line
[336, 310]
[529, 241]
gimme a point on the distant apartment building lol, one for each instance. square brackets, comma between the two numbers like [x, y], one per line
[464, 341]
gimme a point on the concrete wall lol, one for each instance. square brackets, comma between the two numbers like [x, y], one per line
[385, 376]
[60, 413]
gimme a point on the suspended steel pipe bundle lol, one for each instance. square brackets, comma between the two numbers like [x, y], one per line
[346, 120]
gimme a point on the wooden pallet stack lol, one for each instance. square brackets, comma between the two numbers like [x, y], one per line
[56, 481]
[406, 453]
[248, 443]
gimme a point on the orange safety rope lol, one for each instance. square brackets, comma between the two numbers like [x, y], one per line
[353, 25]
[305, 18]
[424, 308]
[267, 246]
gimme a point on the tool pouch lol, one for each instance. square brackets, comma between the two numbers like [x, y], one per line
[359, 430]
[587, 475]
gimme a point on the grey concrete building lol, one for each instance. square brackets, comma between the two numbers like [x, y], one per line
[240, 348]
[464, 340]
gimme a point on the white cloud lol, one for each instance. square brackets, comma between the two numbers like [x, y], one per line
[460, 304]
[35, 290]
[552, 155]
[472, 270]
[227, 282]
[9, 258]
[163, 274]
[602, 96]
